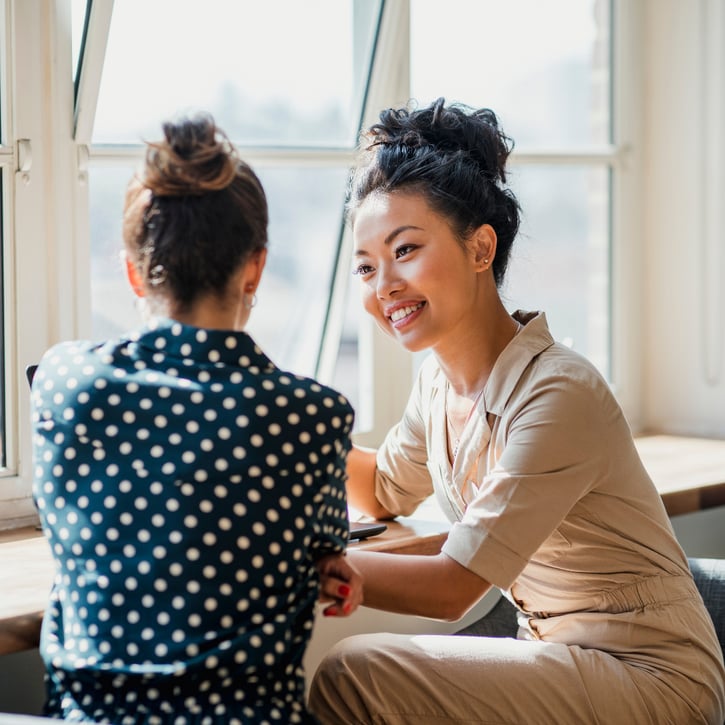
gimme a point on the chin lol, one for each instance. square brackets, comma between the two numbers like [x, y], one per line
[409, 342]
[414, 347]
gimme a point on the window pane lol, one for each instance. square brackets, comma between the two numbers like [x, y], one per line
[542, 66]
[560, 259]
[305, 223]
[549, 81]
[113, 308]
[275, 73]
[305, 212]
[278, 72]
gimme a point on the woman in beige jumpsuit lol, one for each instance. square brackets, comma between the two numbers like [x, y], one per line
[528, 454]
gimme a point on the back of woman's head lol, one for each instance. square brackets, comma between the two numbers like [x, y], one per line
[204, 214]
[455, 157]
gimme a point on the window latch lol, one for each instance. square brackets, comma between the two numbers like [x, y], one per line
[25, 158]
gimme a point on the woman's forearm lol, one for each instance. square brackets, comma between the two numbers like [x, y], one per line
[427, 586]
[361, 483]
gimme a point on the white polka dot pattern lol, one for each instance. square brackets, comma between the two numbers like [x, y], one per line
[186, 486]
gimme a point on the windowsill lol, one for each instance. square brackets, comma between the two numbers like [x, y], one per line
[688, 472]
[26, 573]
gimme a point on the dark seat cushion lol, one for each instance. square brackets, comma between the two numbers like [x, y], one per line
[499, 622]
[709, 575]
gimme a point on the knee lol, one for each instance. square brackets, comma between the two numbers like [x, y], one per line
[336, 687]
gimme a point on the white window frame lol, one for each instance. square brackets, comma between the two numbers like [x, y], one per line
[41, 271]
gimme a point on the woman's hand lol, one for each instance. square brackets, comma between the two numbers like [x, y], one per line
[340, 584]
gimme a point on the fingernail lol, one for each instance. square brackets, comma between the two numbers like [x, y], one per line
[330, 612]
[346, 607]
[343, 590]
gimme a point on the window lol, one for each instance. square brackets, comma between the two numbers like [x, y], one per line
[293, 103]
[290, 100]
[552, 93]
[292, 82]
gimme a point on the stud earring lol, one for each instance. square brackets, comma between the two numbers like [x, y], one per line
[485, 261]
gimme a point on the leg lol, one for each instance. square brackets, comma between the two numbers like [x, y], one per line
[425, 679]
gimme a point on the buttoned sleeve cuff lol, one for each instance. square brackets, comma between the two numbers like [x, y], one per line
[476, 550]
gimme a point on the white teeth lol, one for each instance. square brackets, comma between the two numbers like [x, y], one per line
[404, 312]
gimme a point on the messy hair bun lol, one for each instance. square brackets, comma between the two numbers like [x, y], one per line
[193, 159]
[203, 212]
[455, 157]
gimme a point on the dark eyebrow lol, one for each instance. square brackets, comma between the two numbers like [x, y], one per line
[390, 237]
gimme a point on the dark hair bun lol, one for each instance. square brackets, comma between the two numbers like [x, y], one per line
[196, 157]
[451, 130]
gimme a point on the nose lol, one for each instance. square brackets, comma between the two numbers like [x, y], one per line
[388, 282]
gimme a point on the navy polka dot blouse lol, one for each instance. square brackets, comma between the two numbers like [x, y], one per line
[186, 486]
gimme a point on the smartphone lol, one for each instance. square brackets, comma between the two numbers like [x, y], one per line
[363, 530]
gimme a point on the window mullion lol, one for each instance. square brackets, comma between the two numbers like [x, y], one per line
[627, 254]
[90, 67]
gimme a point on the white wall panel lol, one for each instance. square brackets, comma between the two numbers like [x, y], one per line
[684, 372]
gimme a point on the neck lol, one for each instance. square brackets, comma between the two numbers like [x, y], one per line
[468, 364]
[210, 313]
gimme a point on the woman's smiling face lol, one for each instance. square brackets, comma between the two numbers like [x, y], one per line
[418, 282]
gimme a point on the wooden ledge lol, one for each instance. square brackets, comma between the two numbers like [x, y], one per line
[26, 574]
[688, 472]
[408, 536]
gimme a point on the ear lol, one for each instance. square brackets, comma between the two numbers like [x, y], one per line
[483, 247]
[134, 277]
[253, 269]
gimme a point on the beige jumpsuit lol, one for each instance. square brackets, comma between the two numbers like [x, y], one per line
[550, 503]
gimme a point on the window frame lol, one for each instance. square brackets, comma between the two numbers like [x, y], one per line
[39, 170]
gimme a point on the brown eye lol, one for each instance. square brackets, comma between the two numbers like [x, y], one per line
[404, 249]
[362, 269]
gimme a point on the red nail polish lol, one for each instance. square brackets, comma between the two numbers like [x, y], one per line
[343, 590]
[330, 612]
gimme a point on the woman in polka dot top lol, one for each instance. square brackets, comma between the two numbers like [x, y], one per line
[192, 493]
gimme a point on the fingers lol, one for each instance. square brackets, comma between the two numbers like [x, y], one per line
[336, 611]
[341, 585]
[345, 598]
[333, 588]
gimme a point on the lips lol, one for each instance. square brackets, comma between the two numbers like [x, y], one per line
[402, 312]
